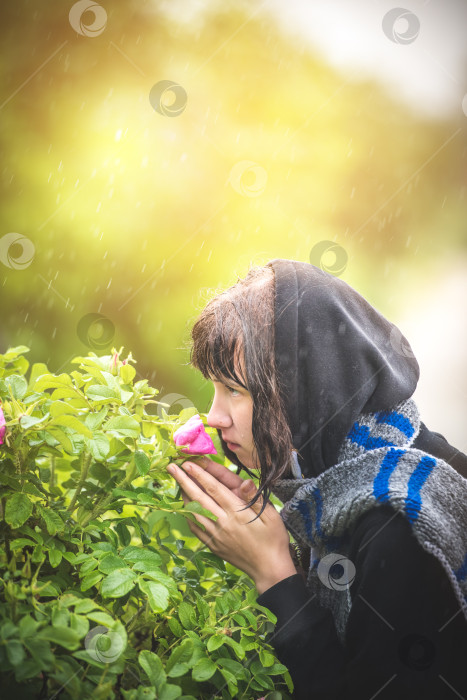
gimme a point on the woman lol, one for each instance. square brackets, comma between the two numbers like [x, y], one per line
[312, 389]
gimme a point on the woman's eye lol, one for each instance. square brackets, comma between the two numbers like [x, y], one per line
[232, 390]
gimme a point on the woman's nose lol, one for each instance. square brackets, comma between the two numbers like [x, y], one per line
[218, 417]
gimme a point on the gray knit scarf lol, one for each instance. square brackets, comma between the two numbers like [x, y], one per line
[376, 465]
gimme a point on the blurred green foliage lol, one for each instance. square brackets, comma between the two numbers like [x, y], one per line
[133, 214]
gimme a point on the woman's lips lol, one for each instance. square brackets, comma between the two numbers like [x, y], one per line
[232, 446]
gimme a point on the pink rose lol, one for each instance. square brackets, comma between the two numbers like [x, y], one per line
[2, 427]
[194, 436]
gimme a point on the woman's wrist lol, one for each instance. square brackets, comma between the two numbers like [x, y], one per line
[277, 572]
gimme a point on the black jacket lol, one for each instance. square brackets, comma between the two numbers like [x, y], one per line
[406, 636]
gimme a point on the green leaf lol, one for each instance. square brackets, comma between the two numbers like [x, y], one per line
[99, 446]
[61, 437]
[29, 421]
[20, 543]
[127, 373]
[85, 605]
[151, 560]
[102, 618]
[55, 557]
[106, 644]
[238, 649]
[64, 636]
[175, 627]
[146, 566]
[73, 423]
[216, 641]
[60, 408]
[152, 666]
[12, 353]
[8, 629]
[158, 595]
[203, 670]
[110, 562]
[52, 520]
[123, 425]
[94, 420]
[90, 580]
[187, 615]
[142, 692]
[79, 624]
[17, 384]
[102, 394]
[27, 627]
[15, 652]
[231, 681]
[18, 509]
[123, 533]
[160, 577]
[142, 462]
[266, 658]
[118, 583]
[180, 655]
[195, 507]
[233, 666]
[169, 692]
[37, 369]
[277, 670]
[50, 381]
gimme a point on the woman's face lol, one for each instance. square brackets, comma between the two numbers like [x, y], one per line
[232, 413]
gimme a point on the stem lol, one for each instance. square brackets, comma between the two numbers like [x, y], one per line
[132, 620]
[103, 504]
[52, 472]
[84, 474]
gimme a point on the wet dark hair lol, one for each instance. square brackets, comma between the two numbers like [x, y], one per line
[239, 324]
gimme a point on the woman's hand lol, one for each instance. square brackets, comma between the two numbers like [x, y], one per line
[243, 488]
[260, 548]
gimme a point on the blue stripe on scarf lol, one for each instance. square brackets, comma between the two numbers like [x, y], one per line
[319, 510]
[360, 435]
[381, 480]
[397, 420]
[461, 572]
[304, 510]
[330, 542]
[413, 502]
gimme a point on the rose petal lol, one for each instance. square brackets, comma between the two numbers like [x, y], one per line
[188, 432]
[194, 437]
[201, 445]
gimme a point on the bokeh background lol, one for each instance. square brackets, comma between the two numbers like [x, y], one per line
[152, 151]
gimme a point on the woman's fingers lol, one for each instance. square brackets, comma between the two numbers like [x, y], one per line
[224, 496]
[221, 473]
[203, 535]
[193, 490]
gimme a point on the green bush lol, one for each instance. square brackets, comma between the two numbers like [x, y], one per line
[104, 592]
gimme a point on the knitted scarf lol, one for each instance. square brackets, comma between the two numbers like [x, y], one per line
[377, 465]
